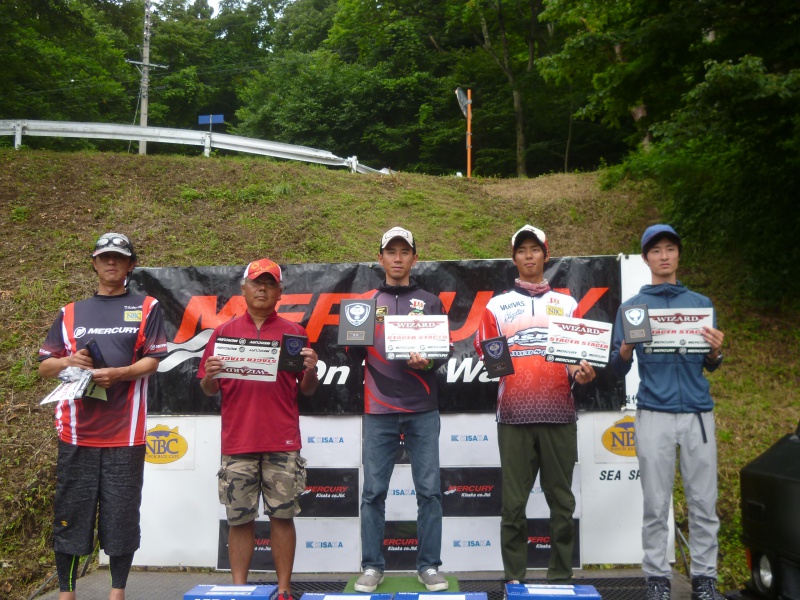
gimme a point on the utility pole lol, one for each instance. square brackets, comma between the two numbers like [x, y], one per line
[145, 71]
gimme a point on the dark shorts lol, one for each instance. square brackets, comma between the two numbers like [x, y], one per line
[280, 477]
[88, 479]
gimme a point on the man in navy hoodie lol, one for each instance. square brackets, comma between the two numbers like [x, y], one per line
[674, 408]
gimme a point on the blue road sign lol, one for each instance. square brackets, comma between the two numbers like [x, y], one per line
[210, 119]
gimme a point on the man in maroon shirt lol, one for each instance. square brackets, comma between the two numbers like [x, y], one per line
[260, 428]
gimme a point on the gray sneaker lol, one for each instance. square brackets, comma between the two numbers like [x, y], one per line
[432, 580]
[370, 579]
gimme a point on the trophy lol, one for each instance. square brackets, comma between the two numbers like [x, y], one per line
[496, 357]
[356, 322]
[636, 324]
[290, 358]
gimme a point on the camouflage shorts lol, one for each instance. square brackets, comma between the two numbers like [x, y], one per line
[279, 476]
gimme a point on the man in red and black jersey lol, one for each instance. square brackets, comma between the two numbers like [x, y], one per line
[101, 446]
[260, 428]
[536, 416]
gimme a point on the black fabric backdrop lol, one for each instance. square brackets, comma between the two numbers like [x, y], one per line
[311, 294]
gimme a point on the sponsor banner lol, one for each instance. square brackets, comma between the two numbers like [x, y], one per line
[634, 273]
[537, 504]
[170, 447]
[539, 544]
[331, 441]
[614, 438]
[402, 457]
[197, 299]
[611, 523]
[401, 498]
[332, 545]
[471, 491]
[400, 545]
[469, 440]
[330, 492]
[179, 512]
[471, 544]
[262, 554]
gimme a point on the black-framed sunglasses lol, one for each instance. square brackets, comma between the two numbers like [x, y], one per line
[114, 242]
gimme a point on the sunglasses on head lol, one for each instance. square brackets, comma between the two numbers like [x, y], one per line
[114, 242]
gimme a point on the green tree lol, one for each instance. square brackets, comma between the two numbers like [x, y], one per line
[511, 33]
[304, 25]
[63, 61]
[729, 160]
[713, 85]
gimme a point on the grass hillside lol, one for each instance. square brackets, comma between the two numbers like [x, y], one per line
[226, 211]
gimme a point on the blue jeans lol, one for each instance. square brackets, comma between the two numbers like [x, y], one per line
[381, 438]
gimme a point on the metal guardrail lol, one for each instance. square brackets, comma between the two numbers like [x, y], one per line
[207, 140]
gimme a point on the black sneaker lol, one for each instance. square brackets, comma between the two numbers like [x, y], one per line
[705, 588]
[658, 588]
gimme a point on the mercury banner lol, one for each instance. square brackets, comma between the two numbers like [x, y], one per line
[195, 300]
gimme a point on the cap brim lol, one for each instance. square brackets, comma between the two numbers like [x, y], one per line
[397, 237]
[657, 236]
[260, 273]
[114, 250]
[524, 235]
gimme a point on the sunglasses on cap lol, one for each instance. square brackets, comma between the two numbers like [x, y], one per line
[113, 242]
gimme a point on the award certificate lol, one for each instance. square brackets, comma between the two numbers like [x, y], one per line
[679, 330]
[571, 340]
[248, 359]
[427, 334]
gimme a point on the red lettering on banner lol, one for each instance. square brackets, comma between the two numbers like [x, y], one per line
[400, 541]
[321, 314]
[470, 326]
[289, 299]
[202, 310]
[587, 302]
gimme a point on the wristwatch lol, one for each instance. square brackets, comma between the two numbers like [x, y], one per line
[714, 361]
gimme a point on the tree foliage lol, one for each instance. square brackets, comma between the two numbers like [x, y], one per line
[729, 160]
[708, 87]
[64, 61]
[713, 87]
